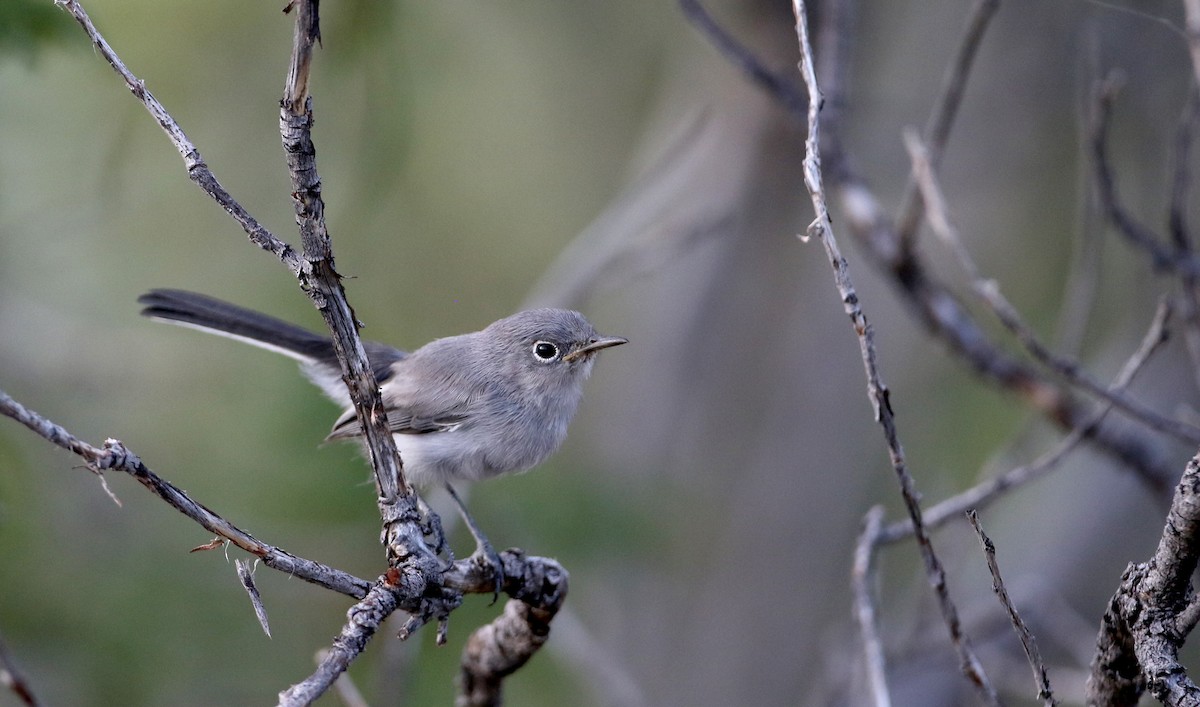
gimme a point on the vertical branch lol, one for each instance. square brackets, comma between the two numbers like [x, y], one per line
[415, 570]
[822, 229]
[863, 579]
[324, 286]
[1148, 618]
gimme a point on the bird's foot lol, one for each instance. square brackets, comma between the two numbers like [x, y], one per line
[485, 555]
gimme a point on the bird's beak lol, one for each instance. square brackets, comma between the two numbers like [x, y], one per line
[595, 345]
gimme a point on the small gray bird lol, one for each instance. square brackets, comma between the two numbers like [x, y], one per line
[462, 408]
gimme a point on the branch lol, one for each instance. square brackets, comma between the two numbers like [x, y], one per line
[1162, 257]
[1140, 636]
[774, 83]
[945, 110]
[1028, 643]
[822, 229]
[115, 456]
[988, 291]
[197, 169]
[983, 494]
[362, 620]
[414, 581]
[498, 649]
[863, 579]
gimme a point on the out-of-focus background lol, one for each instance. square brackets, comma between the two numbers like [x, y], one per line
[708, 499]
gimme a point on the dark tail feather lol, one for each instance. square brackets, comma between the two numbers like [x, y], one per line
[213, 315]
[203, 312]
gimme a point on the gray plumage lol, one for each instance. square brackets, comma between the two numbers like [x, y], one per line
[462, 408]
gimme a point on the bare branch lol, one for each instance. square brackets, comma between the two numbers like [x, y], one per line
[822, 229]
[774, 83]
[945, 110]
[1139, 641]
[1027, 640]
[983, 494]
[362, 620]
[245, 573]
[114, 455]
[346, 690]
[863, 580]
[197, 169]
[498, 649]
[1162, 257]
[988, 292]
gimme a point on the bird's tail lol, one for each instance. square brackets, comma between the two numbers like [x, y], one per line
[216, 317]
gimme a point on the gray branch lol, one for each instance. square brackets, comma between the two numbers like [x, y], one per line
[822, 229]
[115, 456]
[1140, 634]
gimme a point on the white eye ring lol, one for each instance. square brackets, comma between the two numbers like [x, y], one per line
[544, 351]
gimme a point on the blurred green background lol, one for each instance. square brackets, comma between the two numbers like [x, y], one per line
[708, 498]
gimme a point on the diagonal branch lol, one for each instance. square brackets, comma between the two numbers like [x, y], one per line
[1028, 643]
[932, 301]
[114, 455]
[822, 229]
[988, 291]
[984, 493]
[197, 169]
[945, 110]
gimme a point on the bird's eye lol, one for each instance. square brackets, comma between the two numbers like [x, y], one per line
[545, 350]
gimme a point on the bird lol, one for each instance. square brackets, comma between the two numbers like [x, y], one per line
[461, 408]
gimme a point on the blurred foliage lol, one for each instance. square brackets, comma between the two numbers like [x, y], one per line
[27, 25]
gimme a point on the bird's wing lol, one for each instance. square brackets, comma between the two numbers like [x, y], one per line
[440, 405]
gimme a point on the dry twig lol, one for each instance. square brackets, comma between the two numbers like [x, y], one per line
[863, 580]
[115, 456]
[822, 229]
[984, 493]
[1028, 643]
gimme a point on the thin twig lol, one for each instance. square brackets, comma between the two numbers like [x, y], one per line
[245, 573]
[1028, 642]
[983, 494]
[822, 229]
[1162, 257]
[777, 84]
[115, 456]
[198, 171]
[989, 293]
[863, 581]
[945, 110]
[938, 309]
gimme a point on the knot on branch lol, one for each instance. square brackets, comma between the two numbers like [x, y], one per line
[115, 456]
